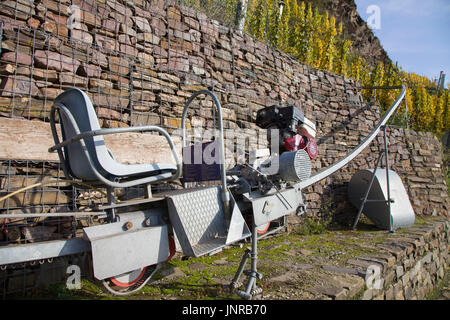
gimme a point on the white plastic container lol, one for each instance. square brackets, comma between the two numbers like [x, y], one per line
[309, 126]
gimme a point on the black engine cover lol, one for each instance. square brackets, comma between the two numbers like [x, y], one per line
[283, 117]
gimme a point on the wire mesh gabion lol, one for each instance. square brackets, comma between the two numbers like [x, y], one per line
[138, 61]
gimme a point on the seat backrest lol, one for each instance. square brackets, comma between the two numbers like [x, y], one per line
[82, 110]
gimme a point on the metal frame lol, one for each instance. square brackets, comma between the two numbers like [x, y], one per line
[223, 174]
[369, 187]
[198, 220]
[42, 250]
[376, 206]
[252, 254]
[58, 248]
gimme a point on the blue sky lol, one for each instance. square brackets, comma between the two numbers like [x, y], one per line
[416, 33]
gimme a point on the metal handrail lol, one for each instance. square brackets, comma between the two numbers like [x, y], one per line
[223, 176]
[355, 152]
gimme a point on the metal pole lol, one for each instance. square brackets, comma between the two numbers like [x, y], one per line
[1, 35]
[367, 192]
[381, 87]
[235, 282]
[250, 289]
[387, 178]
[111, 201]
[406, 112]
[253, 257]
[225, 193]
[254, 254]
[57, 214]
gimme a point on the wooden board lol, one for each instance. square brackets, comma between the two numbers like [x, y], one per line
[13, 183]
[35, 198]
[30, 140]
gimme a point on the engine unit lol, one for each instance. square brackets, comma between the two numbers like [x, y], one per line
[295, 131]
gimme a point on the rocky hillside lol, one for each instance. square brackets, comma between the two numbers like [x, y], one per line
[365, 43]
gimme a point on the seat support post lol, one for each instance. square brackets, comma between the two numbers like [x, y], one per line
[148, 190]
[111, 212]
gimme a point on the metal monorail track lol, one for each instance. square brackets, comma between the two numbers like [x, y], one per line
[355, 152]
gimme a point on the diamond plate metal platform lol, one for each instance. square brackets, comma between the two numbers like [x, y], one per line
[198, 220]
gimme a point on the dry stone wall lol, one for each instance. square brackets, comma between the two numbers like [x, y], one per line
[415, 264]
[406, 265]
[418, 158]
[139, 61]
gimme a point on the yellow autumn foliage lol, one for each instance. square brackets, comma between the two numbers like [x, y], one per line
[315, 40]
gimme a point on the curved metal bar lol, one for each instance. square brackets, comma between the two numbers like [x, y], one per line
[225, 193]
[352, 154]
[79, 137]
[61, 155]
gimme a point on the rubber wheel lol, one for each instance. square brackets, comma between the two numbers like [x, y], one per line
[128, 279]
[262, 229]
[131, 282]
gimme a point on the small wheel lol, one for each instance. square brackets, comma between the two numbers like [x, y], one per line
[130, 282]
[263, 228]
[128, 279]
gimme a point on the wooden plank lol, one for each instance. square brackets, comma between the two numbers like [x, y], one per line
[30, 140]
[33, 198]
[25, 140]
[13, 183]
